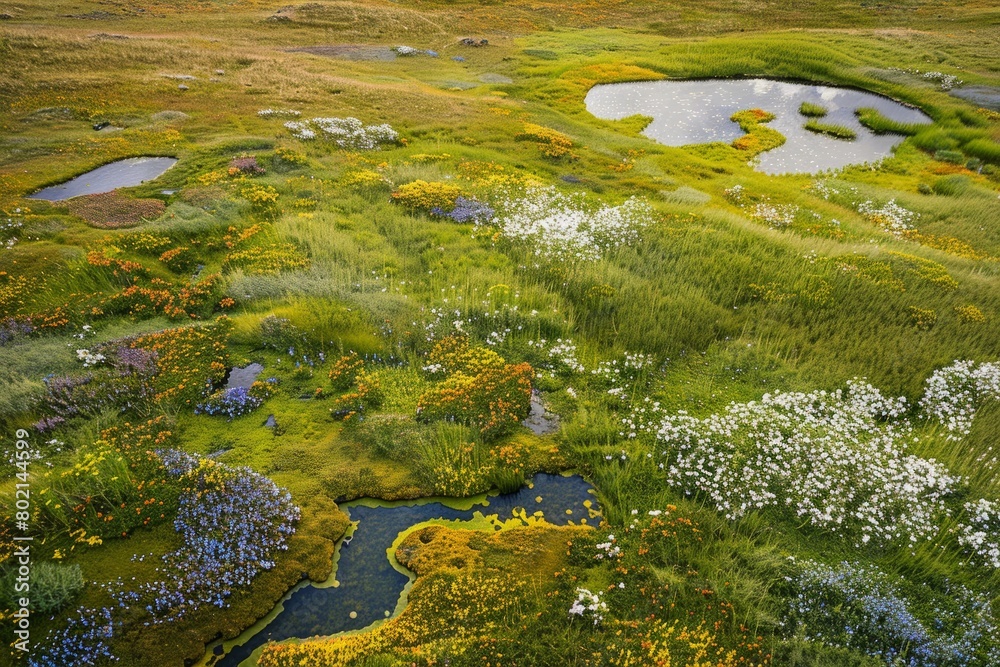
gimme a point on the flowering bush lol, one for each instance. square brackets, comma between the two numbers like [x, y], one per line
[552, 143]
[345, 370]
[862, 608]
[979, 533]
[837, 459]
[466, 211]
[427, 196]
[954, 393]
[235, 402]
[245, 165]
[559, 357]
[589, 605]
[266, 260]
[454, 354]
[495, 400]
[890, 216]
[563, 227]
[347, 132]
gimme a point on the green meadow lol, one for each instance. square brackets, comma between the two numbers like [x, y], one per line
[409, 290]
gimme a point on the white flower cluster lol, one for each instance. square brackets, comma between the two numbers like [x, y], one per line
[279, 113]
[837, 459]
[561, 355]
[90, 359]
[619, 373]
[588, 603]
[563, 227]
[891, 216]
[947, 81]
[980, 533]
[774, 215]
[955, 392]
[347, 132]
[607, 549]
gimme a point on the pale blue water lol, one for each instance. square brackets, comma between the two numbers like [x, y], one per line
[695, 112]
[121, 174]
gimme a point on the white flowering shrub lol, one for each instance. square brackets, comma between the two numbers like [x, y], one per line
[979, 533]
[348, 132]
[279, 113]
[836, 459]
[559, 356]
[89, 358]
[589, 605]
[955, 392]
[890, 216]
[567, 226]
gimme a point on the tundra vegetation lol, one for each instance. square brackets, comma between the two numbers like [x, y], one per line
[783, 388]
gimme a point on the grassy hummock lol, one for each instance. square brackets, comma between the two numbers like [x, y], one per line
[831, 130]
[812, 110]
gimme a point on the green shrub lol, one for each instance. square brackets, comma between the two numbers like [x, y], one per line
[952, 185]
[955, 157]
[984, 149]
[54, 585]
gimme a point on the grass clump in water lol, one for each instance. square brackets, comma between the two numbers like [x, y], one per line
[812, 110]
[880, 124]
[758, 137]
[831, 130]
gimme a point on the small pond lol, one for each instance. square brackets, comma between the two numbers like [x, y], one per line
[121, 174]
[366, 586]
[696, 112]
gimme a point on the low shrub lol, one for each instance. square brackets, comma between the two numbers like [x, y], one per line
[423, 195]
[54, 585]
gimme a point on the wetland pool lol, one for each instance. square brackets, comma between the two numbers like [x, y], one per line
[120, 174]
[698, 112]
[367, 587]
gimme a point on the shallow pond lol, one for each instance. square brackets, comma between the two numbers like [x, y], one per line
[366, 586]
[696, 112]
[121, 174]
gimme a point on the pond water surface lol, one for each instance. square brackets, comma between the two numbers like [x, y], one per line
[366, 586]
[696, 112]
[121, 174]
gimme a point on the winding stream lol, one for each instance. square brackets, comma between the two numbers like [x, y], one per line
[368, 586]
[697, 112]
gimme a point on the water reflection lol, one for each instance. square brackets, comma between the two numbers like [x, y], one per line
[696, 112]
[121, 174]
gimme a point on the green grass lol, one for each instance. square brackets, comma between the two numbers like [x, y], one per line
[879, 124]
[831, 130]
[813, 110]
